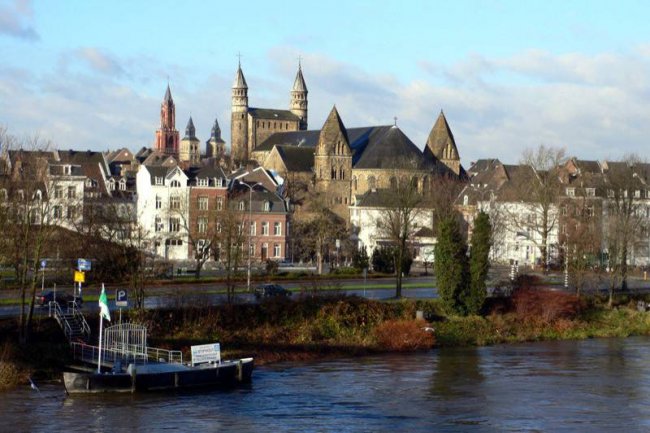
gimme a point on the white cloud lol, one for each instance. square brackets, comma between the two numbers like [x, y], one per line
[16, 20]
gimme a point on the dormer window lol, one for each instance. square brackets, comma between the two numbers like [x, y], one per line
[591, 192]
[267, 206]
[122, 185]
[571, 192]
[111, 185]
[67, 170]
[89, 183]
[158, 180]
[202, 181]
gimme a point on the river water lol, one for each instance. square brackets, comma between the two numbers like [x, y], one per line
[591, 386]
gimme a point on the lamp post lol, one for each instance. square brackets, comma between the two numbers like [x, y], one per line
[250, 218]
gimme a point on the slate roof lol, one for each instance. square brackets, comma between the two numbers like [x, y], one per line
[168, 95]
[299, 83]
[386, 148]
[297, 158]
[240, 81]
[440, 136]
[272, 114]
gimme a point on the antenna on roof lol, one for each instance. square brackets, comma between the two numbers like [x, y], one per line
[395, 120]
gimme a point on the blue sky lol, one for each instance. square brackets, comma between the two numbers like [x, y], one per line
[509, 75]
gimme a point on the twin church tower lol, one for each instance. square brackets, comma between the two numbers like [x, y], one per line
[250, 126]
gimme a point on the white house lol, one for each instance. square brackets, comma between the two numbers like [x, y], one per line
[163, 193]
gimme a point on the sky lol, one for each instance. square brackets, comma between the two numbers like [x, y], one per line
[509, 75]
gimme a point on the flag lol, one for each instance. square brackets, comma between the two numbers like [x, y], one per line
[103, 305]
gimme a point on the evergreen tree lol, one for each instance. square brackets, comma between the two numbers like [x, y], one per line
[451, 265]
[360, 259]
[479, 263]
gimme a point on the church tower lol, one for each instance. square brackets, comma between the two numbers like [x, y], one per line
[333, 165]
[215, 146]
[189, 148]
[442, 145]
[299, 98]
[239, 121]
[167, 136]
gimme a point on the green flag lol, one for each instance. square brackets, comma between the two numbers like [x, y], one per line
[103, 305]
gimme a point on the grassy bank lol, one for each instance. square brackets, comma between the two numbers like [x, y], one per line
[331, 326]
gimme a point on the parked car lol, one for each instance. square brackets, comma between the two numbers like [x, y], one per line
[61, 298]
[271, 290]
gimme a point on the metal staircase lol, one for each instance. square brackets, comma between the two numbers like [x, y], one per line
[72, 321]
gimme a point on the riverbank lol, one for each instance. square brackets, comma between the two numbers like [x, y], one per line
[333, 326]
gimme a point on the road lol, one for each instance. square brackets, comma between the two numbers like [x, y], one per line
[202, 294]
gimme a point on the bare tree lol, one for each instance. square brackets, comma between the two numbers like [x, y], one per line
[625, 180]
[542, 194]
[227, 244]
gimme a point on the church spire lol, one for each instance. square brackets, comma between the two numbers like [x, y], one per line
[167, 136]
[190, 130]
[299, 97]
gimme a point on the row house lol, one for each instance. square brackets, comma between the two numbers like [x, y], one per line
[504, 192]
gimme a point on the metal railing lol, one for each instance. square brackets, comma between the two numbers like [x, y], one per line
[62, 318]
[125, 355]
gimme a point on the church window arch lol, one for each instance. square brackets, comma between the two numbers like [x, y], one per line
[333, 173]
[372, 182]
[393, 182]
[341, 173]
[355, 184]
[414, 183]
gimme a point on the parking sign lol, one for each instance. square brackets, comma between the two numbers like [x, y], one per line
[121, 298]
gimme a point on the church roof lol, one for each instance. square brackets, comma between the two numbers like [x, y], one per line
[386, 147]
[297, 158]
[240, 81]
[440, 136]
[190, 130]
[299, 83]
[272, 114]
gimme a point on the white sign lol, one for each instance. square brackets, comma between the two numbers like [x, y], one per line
[121, 298]
[206, 353]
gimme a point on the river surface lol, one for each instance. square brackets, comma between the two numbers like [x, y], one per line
[573, 386]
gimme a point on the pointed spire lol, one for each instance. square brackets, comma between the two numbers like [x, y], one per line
[168, 94]
[190, 131]
[441, 136]
[240, 81]
[216, 130]
[299, 83]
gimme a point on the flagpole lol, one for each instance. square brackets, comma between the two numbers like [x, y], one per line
[101, 325]
[99, 361]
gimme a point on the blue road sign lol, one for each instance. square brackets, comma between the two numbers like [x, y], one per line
[83, 264]
[43, 264]
[121, 298]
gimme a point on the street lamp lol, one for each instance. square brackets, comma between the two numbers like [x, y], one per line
[250, 218]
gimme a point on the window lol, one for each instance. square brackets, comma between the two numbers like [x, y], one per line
[72, 192]
[219, 203]
[202, 224]
[203, 203]
[158, 180]
[158, 202]
[175, 184]
[67, 169]
[218, 227]
[175, 203]
[277, 229]
[89, 183]
[571, 192]
[251, 250]
[57, 212]
[242, 206]
[265, 228]
[58, 192]
[253, 228]
[122, 185]
[372, 183]
[610, 193]
[71, 212]
[174, 242]
[276, 250]
[589, 211]
[564, 210]
[202, 182]
[158, 224]
[38, 195]
[465, 200]
[267, 206]
[591, 192]
[637, 194]
[174, 224]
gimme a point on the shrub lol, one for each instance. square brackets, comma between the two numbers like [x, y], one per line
[545, 305]
[382, 260]
[402, 335]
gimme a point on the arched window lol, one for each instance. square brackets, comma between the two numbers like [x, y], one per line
[372, 182]
[38, 195]
[175, 184]
[465, 200]
[242, 206]
[355, 185]
[333, 173]
[393, 182]
[341, 173]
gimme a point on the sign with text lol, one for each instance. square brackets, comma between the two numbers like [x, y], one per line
[121, 298]
[79, 277]
[83, 264]
[206, 353]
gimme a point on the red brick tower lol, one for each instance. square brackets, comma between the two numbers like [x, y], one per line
[167, 137]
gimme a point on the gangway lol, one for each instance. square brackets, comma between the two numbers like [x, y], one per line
[72, 321]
